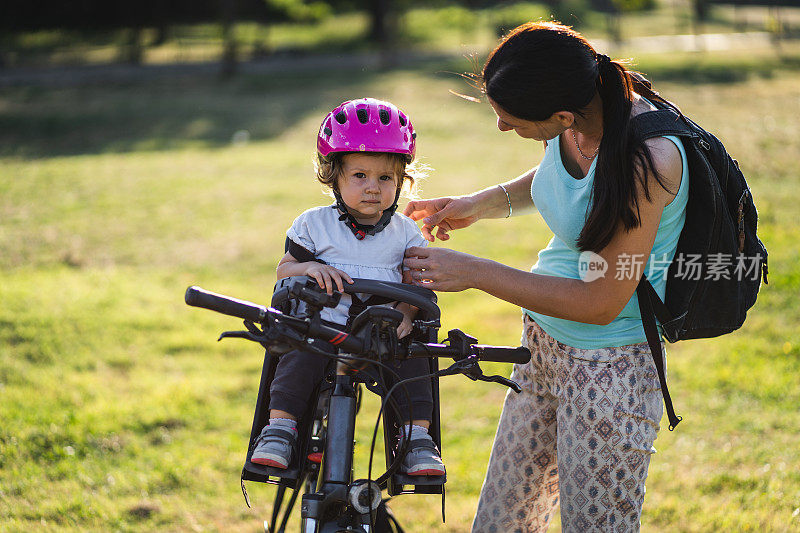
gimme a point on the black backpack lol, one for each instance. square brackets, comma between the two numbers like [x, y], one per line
[727, 258]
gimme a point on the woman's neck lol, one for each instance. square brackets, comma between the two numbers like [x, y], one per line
[590, 125]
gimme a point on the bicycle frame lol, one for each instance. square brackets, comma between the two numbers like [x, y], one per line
[340, 503]
[328, 489]
[341, 413]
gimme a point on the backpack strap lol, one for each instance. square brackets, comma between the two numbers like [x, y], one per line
[666, 120]
[659, 123]
[644, 292]
[660, 309]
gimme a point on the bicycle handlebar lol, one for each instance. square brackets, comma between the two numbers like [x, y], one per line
[420, 297]
[497, 354]
[198, 297]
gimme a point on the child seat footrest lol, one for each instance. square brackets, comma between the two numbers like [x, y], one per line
[262, 473]
[405, 479]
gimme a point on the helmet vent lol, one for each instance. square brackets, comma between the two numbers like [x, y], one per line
[327, 131]
[340, 117]
[385, 117]
[362, 115]
[402, 120]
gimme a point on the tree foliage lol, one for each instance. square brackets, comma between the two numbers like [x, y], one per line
[28, 15]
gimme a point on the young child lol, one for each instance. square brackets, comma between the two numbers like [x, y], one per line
[364, 153]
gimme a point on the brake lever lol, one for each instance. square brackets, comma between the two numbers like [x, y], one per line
[266, 337]
[470, 367]
[511, 384]
[476, 374]
[253, 333]
[461, 366]
[242, 335]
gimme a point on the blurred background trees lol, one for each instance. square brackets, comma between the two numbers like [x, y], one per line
[126, 21]
[47, 32]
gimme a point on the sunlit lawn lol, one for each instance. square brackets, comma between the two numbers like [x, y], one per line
[120, 411]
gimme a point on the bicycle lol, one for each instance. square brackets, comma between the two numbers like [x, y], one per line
[333, 501]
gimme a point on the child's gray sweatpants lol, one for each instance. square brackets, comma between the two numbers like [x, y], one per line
[581, 431]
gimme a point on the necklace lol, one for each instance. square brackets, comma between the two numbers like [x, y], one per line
[575, 138]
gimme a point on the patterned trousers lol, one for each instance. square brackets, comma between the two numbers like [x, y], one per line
[581, 431]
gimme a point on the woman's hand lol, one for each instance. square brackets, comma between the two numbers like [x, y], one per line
[327, 277]
[441, 269]
[446, 213]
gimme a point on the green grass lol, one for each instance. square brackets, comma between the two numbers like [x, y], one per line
[120, 411]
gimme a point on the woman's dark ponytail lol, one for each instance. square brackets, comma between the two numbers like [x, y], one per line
[620, 160]
[543, 67]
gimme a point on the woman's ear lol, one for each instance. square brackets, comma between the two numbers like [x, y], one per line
[565, 118]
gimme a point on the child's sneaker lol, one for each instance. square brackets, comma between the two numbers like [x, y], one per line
[274, 446]
[423, 457]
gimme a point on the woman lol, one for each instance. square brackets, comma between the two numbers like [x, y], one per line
[582, 431]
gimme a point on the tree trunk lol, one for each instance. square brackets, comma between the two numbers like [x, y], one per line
[229, 51]
[162, 22]
[701, 10]
[379, 32]
[132, 50]
[162, 33]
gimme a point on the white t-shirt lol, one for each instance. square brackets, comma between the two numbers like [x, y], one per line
[378, 257]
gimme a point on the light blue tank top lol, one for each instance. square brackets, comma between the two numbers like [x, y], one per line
[563, 202]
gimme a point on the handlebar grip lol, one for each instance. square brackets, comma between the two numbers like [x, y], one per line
[503, 354]
[197, 297]
[420, 349]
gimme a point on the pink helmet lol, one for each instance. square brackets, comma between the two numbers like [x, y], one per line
[367, 125]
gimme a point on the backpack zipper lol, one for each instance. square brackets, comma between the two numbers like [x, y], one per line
[740, 218]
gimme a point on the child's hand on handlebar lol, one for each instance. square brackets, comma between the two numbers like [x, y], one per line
[328, 277]
[405, 327]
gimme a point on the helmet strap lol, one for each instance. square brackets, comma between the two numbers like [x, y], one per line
[362, 230]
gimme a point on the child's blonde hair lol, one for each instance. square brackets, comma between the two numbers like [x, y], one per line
[329, 168]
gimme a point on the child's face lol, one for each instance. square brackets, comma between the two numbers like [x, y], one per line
[368, 185]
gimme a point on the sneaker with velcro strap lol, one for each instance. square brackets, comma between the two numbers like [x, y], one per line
[274, 446]
[422, 458]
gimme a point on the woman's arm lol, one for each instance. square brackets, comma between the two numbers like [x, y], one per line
[519, 192]
[451, 213]
[594, 302]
